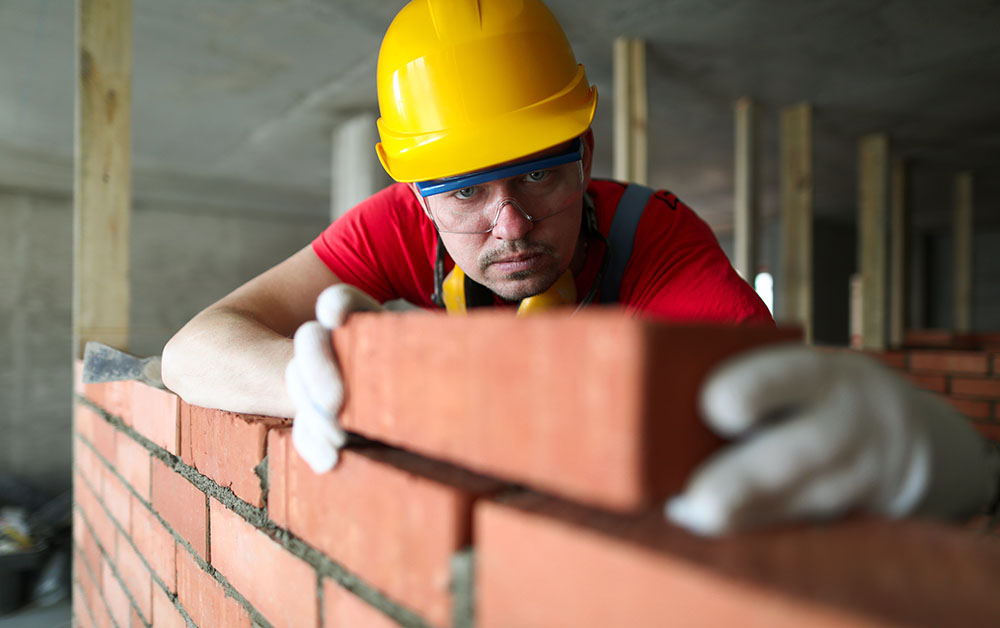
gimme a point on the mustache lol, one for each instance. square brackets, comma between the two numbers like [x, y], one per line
[514, 247]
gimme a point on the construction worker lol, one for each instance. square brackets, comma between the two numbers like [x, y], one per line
[485, 122]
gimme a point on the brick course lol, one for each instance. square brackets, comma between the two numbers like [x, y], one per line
[385, 538]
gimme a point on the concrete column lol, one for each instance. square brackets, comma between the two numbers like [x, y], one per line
[795, 300]
[746, 197]
[961, 243]
[873, 256]
[899, 272]
[356, 172]
[102, 179]
[630, 111]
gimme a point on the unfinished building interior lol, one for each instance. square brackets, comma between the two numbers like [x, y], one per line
[155, 155]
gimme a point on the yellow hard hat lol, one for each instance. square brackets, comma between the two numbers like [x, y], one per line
[468, 84]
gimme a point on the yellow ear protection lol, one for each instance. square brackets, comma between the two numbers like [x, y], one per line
[458, 293]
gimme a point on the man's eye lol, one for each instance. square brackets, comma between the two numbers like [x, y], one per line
[537, 175]
[465, 193]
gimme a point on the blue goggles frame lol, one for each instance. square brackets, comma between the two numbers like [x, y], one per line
[449, 184]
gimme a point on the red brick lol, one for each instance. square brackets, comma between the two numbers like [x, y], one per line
[135, 576]
[995, 369]
[976, 387]
[965, 362]
[929, 338]
[165, 614]
[204, 599]
[155, 543]
[114, 594]
[276, 582]
[83, 422]
[539, 563]
[87, 544]
[181, 505]
[132, 461]
[343, 608]
[117, 500]
[81, 615]
[988, 430]
[972, 408]
[227, 447]
[573, 406]
[393, 519]
[184, 433]
[933, 383]
[155, 415]
[892, 359]
[95, 603]
[113, 397]
[100, 522]
[103, 433]
[86, 462]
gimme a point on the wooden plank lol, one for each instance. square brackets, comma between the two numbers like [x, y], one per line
[873, 258]
[102, 176]
[630, 111]
[795, 299]
[746, 197]
[962, 253]
[899, 221]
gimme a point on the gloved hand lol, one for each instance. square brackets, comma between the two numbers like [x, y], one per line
[313, 380]
[822, 434]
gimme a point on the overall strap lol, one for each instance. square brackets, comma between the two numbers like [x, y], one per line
[621, 236]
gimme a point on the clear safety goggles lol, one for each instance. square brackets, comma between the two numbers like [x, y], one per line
[538, 188]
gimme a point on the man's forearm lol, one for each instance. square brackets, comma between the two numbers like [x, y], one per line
[225, 359]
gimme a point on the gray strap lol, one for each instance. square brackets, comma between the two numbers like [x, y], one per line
[621, 236]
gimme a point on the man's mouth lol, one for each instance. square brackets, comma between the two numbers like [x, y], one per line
[517, 263]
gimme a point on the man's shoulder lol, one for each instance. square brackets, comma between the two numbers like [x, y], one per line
[663, 212]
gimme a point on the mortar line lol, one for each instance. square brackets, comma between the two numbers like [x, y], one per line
[78, 590]
[205, 566]
[114, 572]
[257, 518]
[93, 580]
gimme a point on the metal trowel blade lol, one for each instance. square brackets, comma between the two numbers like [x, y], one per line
[102, 363]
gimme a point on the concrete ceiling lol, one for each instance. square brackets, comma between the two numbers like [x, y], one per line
[234, 102]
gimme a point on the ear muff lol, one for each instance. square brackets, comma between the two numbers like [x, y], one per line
[461, 294]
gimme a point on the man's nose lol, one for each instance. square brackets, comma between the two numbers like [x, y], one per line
[512, 223]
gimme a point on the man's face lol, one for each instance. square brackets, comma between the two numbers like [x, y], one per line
[520, 258]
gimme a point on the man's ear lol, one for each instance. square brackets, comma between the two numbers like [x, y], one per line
[588, 155]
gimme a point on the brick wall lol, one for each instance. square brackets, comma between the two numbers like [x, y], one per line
[964, 369]
[528, 495]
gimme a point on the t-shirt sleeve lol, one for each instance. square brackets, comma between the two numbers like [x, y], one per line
[679, 272]
[383, 247]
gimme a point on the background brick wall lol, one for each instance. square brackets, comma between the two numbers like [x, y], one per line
[189, 516]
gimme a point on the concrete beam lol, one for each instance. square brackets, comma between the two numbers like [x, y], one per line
[961, 244]
[746, 196]
[873, 257]
[795, 302]
[630, 111]
[102, 177]
[356, 171]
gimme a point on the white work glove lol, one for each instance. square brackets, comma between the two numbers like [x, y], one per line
[823, 434]
[313, 380]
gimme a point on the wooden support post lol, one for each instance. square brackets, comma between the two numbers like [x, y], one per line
[746, 197]
[961, 242]
[630, 112]
[899, 221]
[873, 257]
[102, 177]
[356, 172]
[795, 299]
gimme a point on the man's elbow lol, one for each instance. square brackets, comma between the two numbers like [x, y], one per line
[172, 367]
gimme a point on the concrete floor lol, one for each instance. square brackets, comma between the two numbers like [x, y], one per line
[58, 616]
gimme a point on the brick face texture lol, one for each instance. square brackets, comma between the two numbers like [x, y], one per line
[546, 470]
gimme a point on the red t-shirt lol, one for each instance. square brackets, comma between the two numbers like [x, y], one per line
[386, 247]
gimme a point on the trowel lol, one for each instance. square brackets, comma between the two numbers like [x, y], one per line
[102, 363]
